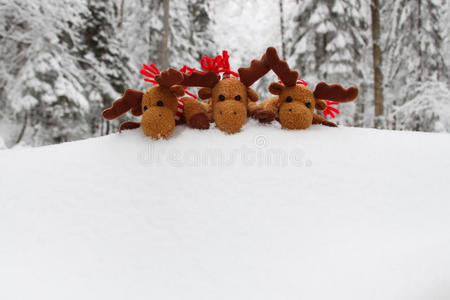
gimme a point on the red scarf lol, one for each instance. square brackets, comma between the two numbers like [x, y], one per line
[180, 110]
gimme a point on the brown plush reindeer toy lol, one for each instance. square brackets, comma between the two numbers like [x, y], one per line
[294, 103]
[159, 106]
[228, 97]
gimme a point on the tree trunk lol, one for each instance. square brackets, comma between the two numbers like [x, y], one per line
[24, 126]
[419, 33]
[122, 7]
[164, 59]
[108, 127]
[283, 44]
[377, 64]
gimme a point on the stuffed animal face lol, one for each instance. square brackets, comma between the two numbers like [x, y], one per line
[297, 103]
[229, 98]
[159, 105]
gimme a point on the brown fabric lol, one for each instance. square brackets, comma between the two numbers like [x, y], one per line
[252, 107]
[265, 111]
[295, 115]
[252, 94]
[129, 125]
[230, 115]
[158, 93]
[281, 68]
[209, 79]
[276, 88]
[169, 77]
[195, 113]
[335, 92]
[158, 122]
[205, 93]
[177, 90]
[321, 120]
[264, 115]
[257, 69]
[199, 121]
[131, 100]
[321, 105]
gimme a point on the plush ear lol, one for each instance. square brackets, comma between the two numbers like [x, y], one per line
[177, 90]
[205, 93]
[276, 88]
[321, 104]
[252, 95]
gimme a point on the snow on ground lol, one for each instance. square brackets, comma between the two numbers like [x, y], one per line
[324, 213]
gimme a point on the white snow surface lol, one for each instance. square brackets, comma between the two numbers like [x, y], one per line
[350, 214]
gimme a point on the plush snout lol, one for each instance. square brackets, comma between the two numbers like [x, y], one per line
[230, 115]
[295, 116]
[158, 122]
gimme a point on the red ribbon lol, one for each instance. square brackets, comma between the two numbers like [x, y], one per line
[218, 64]
[330, 111]
[150, 72]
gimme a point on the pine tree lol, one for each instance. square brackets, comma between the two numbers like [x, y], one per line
[103, 60]
[44, 86]
[190, 32]
[328, 41]
[414, 51]
[201, 23]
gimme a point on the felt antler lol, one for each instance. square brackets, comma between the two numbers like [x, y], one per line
[335, 92]
[257, 69]
[169, 77]
[281, 68]
[130, 100]
[200, 79]
[188, 70]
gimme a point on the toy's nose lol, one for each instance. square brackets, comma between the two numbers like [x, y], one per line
[234, 112]
[298, 111]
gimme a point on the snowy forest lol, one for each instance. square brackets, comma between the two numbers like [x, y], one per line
[63, 61]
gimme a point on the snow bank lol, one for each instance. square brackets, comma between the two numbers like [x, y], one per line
[324, 213]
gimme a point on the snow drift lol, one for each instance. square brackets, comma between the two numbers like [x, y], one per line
[325, 213]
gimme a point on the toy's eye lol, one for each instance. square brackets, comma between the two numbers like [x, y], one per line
[160, 103]
[238, 97]
[145, 107]
[221, 97]
[288, 99]
[308, 104]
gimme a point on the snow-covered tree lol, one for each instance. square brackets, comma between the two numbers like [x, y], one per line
[328, 40]
[427, 110]
[414, 48]
[184, 33]
[201, 22]
[43, 87]
[103, 60]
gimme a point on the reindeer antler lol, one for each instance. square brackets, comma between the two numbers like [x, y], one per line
[281, 68]
[257, 69]
[335, 92]
[208, 79]
[131, 100]
[169, 77]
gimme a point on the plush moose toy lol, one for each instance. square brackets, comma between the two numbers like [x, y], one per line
[160, 106]
[229, 96]
[294, 103]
